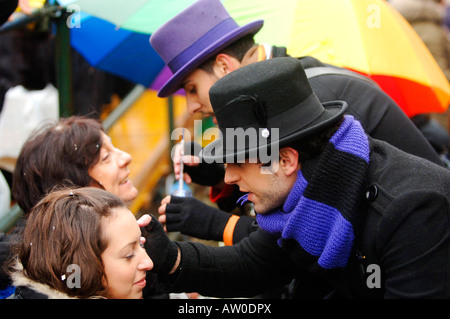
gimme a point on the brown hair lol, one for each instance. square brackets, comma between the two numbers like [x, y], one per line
[56, 154]
[311, 146]
[65, 228]
[237, 49]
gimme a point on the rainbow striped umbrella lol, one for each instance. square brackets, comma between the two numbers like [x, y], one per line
[367, 36]
[143, 16]
[121, 52]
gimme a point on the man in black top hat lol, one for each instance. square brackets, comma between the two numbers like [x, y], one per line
[333, 204]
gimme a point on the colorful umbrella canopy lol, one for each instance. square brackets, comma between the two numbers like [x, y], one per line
[367, 36]
[121, 52]
[143, 16]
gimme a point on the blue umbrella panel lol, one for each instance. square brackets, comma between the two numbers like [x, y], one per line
[118, 51]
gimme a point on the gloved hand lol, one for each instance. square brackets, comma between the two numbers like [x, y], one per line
[158, 246]
[200, 172]
[192, 217]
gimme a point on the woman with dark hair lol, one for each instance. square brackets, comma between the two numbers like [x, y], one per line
[81, 243]
[75, 150]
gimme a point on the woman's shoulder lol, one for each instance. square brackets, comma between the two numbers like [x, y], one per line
[26, 288]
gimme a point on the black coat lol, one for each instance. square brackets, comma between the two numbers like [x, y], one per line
[405, 231]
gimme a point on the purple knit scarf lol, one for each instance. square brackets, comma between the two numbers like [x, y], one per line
[320, 213]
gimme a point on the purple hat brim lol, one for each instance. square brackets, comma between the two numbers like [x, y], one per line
[173, 84]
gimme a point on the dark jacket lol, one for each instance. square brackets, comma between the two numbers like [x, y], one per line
[378, 114]
[404, 230]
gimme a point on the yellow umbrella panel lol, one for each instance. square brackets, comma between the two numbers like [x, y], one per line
[367, 36]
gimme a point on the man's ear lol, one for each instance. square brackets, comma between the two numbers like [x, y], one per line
[225, 64]
[289, 161]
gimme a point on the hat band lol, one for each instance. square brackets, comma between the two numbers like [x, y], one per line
[298, 116]
[202, 43]
[288, 122]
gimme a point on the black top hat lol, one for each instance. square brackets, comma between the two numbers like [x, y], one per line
[265, 104]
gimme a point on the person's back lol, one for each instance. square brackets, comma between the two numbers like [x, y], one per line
[379, 115]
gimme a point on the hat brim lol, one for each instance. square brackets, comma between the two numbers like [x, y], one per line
[174, 83]
[334, 110]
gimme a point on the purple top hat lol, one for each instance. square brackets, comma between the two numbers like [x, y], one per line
[194, 35]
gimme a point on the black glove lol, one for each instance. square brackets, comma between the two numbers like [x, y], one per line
[194, 218]
[203, 173]
[159, 247]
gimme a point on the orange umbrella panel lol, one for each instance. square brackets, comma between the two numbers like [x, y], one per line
[367, 36]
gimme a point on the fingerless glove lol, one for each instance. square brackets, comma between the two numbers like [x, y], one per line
[159, 247]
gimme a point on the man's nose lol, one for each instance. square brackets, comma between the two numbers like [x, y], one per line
[231, 177]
